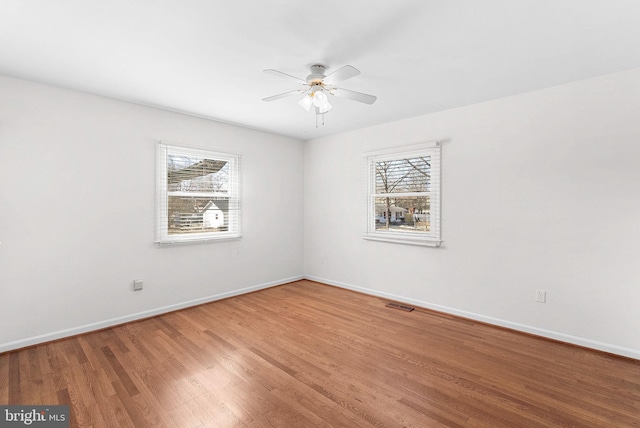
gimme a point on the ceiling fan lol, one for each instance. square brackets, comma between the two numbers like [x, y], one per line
[317, 87]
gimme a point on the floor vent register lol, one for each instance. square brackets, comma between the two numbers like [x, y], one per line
[399, 306]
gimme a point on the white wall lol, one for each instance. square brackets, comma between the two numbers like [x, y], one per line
[540, 191]
[77, 214]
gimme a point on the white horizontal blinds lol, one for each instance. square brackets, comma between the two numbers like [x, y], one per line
[199, 194]
[234, 208]
[434, 192]
[369, 186]
[408, 174]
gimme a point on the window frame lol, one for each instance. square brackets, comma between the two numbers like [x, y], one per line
[431, 238]
[162, 196]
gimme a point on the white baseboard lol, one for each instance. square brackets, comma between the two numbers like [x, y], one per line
[580, 341]
[23, 343]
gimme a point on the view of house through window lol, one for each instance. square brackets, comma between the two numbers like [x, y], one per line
[400, 185]
[198, 194]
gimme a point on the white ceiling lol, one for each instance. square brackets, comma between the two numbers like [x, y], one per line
[205, 57]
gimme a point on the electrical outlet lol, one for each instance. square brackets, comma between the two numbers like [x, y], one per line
[541, 296]
[137, 284]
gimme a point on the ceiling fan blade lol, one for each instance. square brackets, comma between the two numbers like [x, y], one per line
[353, 95]
[283, 95]
[285, 75]
[341, 74]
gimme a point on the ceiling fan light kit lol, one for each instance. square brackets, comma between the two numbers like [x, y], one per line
[317, 87]
[306, 102]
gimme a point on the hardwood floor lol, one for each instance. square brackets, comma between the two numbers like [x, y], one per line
[311, 355]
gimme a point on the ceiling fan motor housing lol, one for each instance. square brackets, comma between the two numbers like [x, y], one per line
[317, 74]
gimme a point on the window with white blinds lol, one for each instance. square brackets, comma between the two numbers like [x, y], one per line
[402, 191]
[198, 195]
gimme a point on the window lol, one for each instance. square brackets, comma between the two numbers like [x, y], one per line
[198, 195]
[403, 195]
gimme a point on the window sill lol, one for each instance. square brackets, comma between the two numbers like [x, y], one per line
[403, 239]
[199, 240]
